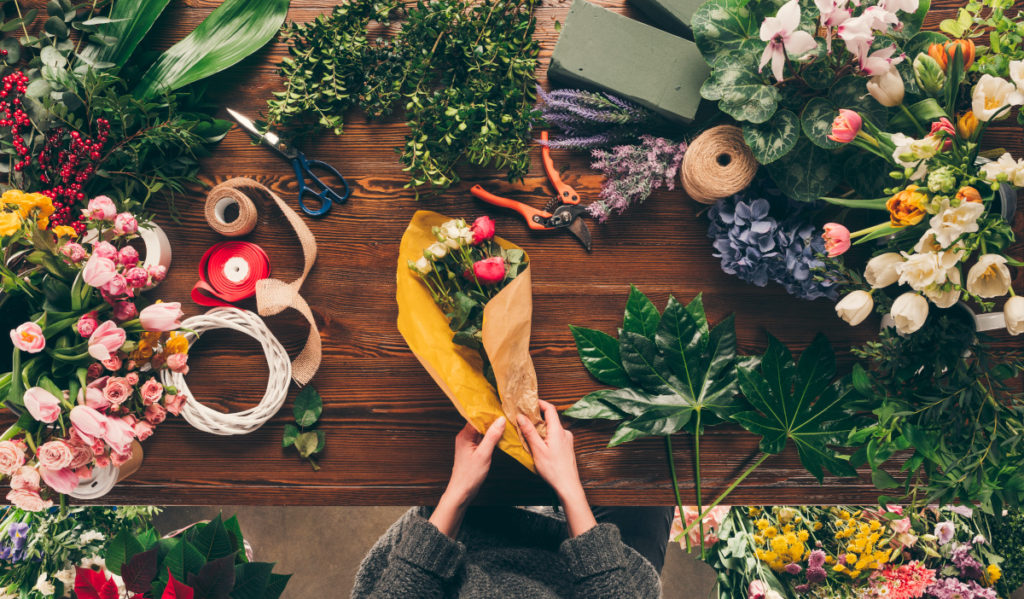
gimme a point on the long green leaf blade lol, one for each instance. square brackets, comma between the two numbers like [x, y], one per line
[130, 21]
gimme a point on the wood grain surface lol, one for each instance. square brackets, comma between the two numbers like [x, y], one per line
[389, 429]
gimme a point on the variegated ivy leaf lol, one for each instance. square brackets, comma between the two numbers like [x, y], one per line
[816, 121]
[774, 139]
[720, 25]
[741, 92]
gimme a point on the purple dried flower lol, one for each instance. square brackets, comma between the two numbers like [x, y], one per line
[633, 172]
[593, 119]
[962, 559]
[816, 559]
[951, 588]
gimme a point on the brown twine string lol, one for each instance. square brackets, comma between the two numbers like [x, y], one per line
[717, 165]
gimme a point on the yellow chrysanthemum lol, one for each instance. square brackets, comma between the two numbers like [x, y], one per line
[64, 231]
[993, 573]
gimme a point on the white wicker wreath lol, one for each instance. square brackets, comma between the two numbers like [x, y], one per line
[246, 421]
[99, 484]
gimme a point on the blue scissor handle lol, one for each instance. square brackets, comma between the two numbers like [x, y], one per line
[326, 195]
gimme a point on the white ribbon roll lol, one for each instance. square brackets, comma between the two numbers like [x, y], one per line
[99, 484]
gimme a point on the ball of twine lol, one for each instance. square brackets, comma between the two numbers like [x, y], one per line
[717, 165]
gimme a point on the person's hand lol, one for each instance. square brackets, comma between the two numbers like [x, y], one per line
[554, 456]
[473, 453]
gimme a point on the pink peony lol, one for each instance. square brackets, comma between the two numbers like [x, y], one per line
[62, 481]
[25, 479]
[143, 429]
[28, 337]
[118, 435]
[88, 423]
[87, 324]
[106, 340]
[98, 271]
[137, 277]
[113, 363]
[125, 224]
[151, 392]
[178, 363]
[837, 239]
[157, 272]
[128, 257]
[155, 414]
[116, 286]
[105, 249]
[174, 403]
[74, 252]
[30, 501]
[54, 455]
[132, 378]
[12, 457]
[42, 405]
[846, 126]
[100, 208]
[483, 229]
[117, 391]
[490, 271]
[125, 310]
[161, 317]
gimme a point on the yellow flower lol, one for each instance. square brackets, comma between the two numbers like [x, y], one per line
[65, 231]
[817, 526]
[993, 573]
[177, 344]
[967, 124]
[907, 207]
[803, 535]
[10, 222]
[761, 524]
[770, 532]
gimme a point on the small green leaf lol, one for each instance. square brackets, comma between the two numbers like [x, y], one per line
[307, 443]
[883, 480]
[290, 433]
[55, 26]
[641, 316]
[308, 407]
[774, 139]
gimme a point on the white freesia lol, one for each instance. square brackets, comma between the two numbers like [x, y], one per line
[886, 87]
[67, 577]
[991, 95]
[881, 271]
[905, 156]
[44, 586]
[989, 277]
[921, 271]
[90, 536]
[437, 250]
[1017, 74]
[952, 222]
[423, 266]
[947, 294]
[909, 312]
[1013, 312]
[855, 307]
[1005, 165]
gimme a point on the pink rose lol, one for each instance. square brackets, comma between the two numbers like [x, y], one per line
[132, 378]
[490, 271]
[178, 363]
[105, 249]
[120, 459]
[155, 414]
[102, 461]
[30, 501]
[118, 435]
[25, 479]
[94, 371]
[117, 286]
[113, 363]
[161, 317]
[144, 429]
[173, 403]
[137, 277]
[125, 224]
[54, 455]
[151, 392]
[125, 311]
[87, 324]
[88, 423]
[28, 337]
[117, 391]
[837, 239]
[42, 405]
[157, 271]
[128, 257]
[483, 229]
[98, 271]
[62, 481]
[12, 457]
[81, 455]
[100, 208]
[106, 340]
[74, 252]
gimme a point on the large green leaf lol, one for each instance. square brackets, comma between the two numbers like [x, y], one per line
[183, 559]
[129, 22]
[912, 23]
[122, 548]
[720, 25]
[641, 316]
[774, 139]
[799, 402]
[233, 31]
[599, 352]
[251, 580]
[805, 174]
[816, 121]
[213, 541]
[741, 92]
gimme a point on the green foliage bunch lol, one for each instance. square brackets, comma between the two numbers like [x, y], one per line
[463, 71]
[307, 441]
[998, 22]
[1006, 534]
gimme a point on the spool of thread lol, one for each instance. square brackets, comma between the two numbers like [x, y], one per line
[221, 205]
[717, 165]
[228, 273]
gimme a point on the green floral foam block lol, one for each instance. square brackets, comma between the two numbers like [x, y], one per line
[671, 15]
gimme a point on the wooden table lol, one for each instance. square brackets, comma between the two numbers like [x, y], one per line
[389, 429]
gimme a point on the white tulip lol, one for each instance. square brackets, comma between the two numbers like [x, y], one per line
[423, 266]
[887, 88]
[855, 307]
[909, 312]
[989, 277]
[947, 294]
[1013, 311]
[991, 95]
[1017, 74]
[950, 223]
[881, 270]
[437, 251]
[921, 271]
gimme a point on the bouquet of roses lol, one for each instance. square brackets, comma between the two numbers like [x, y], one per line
[82, 379]
[465, 309]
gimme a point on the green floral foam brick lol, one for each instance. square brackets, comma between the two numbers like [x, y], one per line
[671, 15]
[599, 49]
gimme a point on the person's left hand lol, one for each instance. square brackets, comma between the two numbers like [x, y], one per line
[473, 459]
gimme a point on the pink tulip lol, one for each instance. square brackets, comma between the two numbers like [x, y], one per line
[42, 405]
[944, 127]
[837, 239]
[119, 435]
[490, 270]
[28, 337]
[63, 481]
[846, 126]
[98, 271]
[88, 423]
[161, 317]
[125, 224]
[100, 208]
[106, 340]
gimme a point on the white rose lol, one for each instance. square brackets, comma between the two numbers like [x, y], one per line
[1017, 74]
[44, 586]
[1013, 311]
[921, 271]
[989, 277]
[423, 266]
[991, 95]
[950, 223]
[945, 295]
[456, 233]
[437, 250]
[909, 312]
[904, 156]
[855, 307]
[881, 270]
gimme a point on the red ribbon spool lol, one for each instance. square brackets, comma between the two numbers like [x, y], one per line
[228, 272]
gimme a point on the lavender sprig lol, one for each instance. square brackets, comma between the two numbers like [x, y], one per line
[632, 172]
[593, 119]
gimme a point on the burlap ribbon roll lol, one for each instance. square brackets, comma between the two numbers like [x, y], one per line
[274, 296]
[717, 165]
[216, 210]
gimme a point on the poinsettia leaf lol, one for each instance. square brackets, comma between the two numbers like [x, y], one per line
[773, 139]
[120, 549]
[641, 316]
[175, 589]
[184, 558]
[237, 540]
[276, 585]
[599, 352]
[215, 579]
[213, 541]
[251, 580]
[94, 584]
[138, 573]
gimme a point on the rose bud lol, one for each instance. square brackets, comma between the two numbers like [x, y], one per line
[483, 229]
[490, 271]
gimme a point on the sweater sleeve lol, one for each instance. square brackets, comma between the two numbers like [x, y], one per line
[423, 560]
[601, 567]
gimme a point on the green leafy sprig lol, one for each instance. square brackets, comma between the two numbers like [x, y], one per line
[307, 441]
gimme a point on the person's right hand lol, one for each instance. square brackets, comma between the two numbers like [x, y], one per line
[555, 456]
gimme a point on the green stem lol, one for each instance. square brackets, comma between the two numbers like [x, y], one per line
[700, 502]
[725, 494]
[913, 119]
[11, 433]
[675, 481]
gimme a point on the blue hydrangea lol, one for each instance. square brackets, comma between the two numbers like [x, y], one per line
[757, 247]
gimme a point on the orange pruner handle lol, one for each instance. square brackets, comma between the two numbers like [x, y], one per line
[565, 193]
[530, 213]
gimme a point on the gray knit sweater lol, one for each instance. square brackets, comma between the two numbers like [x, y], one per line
[503, 553]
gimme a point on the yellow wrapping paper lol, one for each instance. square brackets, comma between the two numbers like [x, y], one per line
[458, 370]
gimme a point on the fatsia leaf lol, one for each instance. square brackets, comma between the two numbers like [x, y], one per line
[129, 22]
[641, 316]
[799, 402]
[645, 365]
[233, 31]
[599, 352]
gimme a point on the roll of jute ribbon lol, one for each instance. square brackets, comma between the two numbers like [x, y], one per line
[219, 202]
[228, 273]
[717, 165]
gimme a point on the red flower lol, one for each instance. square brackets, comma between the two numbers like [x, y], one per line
[93, 584]
[483, 229]
[948, 132]
[490, 271]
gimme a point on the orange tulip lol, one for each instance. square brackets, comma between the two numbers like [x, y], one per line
[943, 53]
[968, 194]
[907, 207]
[967, 124]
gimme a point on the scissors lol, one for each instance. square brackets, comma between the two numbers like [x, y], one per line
[322, 192]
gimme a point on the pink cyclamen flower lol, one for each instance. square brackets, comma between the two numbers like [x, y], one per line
[74, 252]
[128, 256]
[845, 126]
[151, 392]
[490, 271]
[87, 324]
[137, 277]
[833, 13]
[944, 128]
[783, 36]
[161, 317]
[28, 337]
[858, 35]
[483, 229]
[880, 61]
[98, 271]
[42, 405]
[178, 363]
[117, 391]
[125, 310]
[12, 457]
[88, 423]
[30, 501]
[125, 224]
[106, 340]
[837, 239]
[100, 208]
[117, 286]
[62, 481]
[54, 455]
